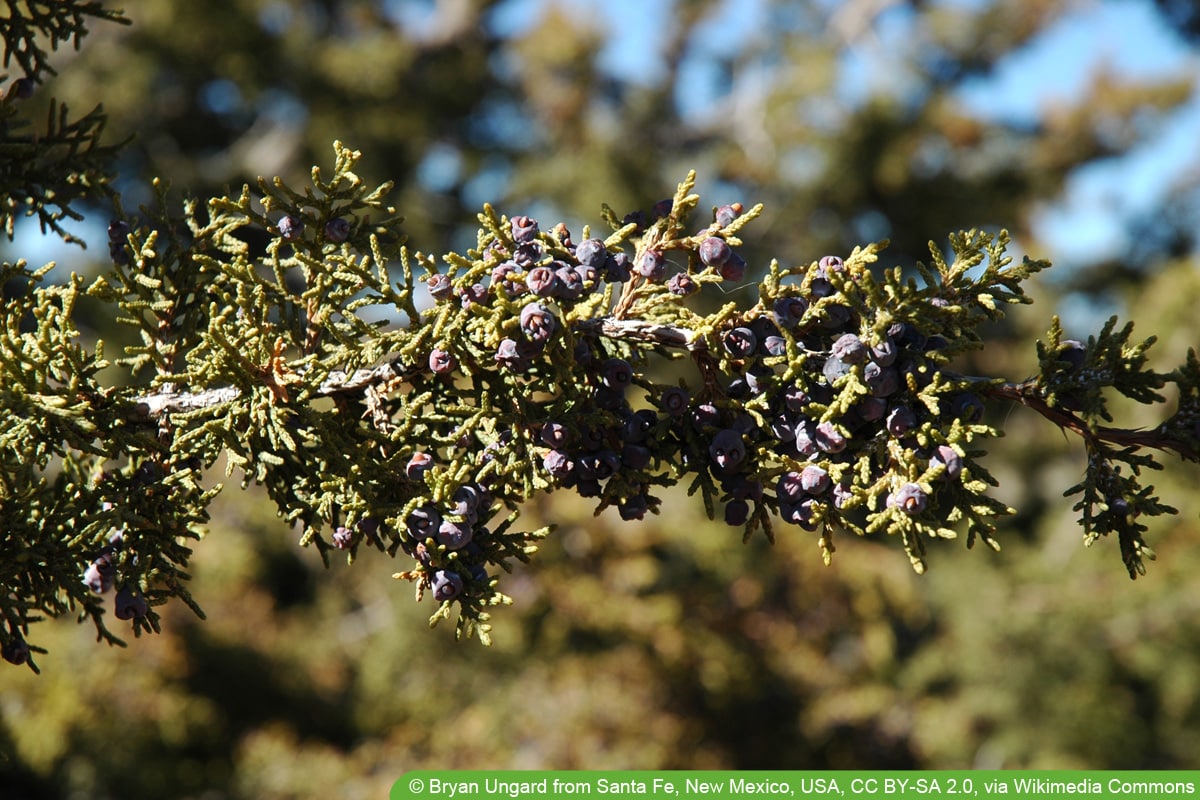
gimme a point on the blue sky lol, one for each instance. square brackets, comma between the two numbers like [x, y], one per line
[1129, 38]
[1125, 36]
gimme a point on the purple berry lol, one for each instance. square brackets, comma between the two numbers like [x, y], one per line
[725, 215]
[616, 373]
[290, 228]
[418, 465]
[882, 381]
[801, 512]
[949, 458]
[734, 268]
[591, 253]
[906, 335]
[806, 440]
[737, 512]
[829, 438]
[594, 437]
[558, 464]
[652, 265]
[909, 498]
[440, 286]
[475, 293]
[901, 421]
[343, 537]
[1118, 506]
[884, 352]
[714, 251]
[570, 283]
[369, 528]
[682, 285]
[1073, 353]
[871, 409]
[783, 428]
[831, 264]
[119, 253]
[503, 277]
[740, 342]
[15, 651]
[542, 281]
[775, 346]
[509, 355]
[814, 479]
[537, 322]
[790, 487]
[555, 434]
[600, 465]
[129, 604]
[675, 401]
[788, 311]
[118, 231]
[100, 574]
[454, 535]
[528, 254]
[616, 268]
[637, 426]
[337, 230]
[795, 398]
[588, 275]
[705, 415]
[850, 349]
[423, 522]
[441, 362]
[561, 232]
[635, 456]
[524, 229]
[834, 369]
[727, 449]
[469, 500]
[741, 487]
[446, 585]
[634, 507]
[841, 495]
[819, 287]
[22, 88]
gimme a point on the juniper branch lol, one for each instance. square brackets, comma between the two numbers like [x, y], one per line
[1028, 395]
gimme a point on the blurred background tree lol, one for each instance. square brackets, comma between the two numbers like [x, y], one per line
[668, 644]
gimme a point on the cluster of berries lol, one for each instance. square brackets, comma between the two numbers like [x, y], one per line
[291, 228]
[458, 527]
[836, 427]
[811, 404]
[604, 449]
[101, 573]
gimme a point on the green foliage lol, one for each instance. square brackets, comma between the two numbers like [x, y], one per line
[300, 363]
[42, 173]
[271, 361]
[25, 26]
[285, 337]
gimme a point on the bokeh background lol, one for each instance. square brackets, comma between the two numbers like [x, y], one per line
[669, 643]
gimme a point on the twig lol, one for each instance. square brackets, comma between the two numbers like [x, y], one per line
[1027, 395]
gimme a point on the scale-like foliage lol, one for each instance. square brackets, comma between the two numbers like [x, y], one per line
[409, 403]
